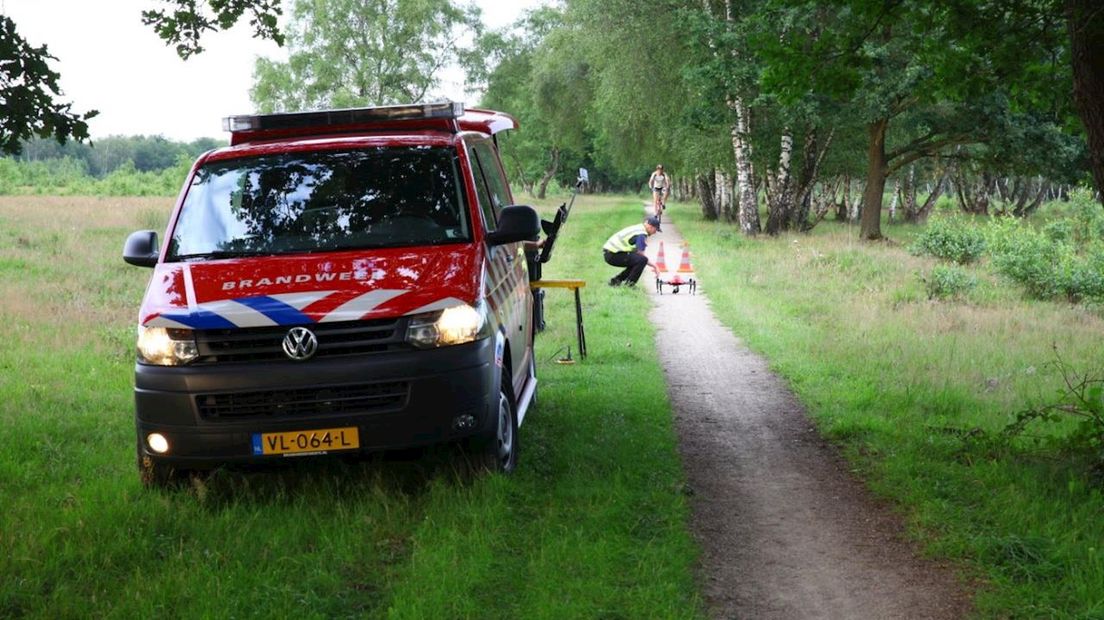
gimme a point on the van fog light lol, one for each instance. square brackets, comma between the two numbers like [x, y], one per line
[463, 422]
[157, 443]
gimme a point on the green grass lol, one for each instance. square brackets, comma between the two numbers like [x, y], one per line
[593, 524]
[900, 382]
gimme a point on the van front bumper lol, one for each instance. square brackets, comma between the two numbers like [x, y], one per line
[216, 414]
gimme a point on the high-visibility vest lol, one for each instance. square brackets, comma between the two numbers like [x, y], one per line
[621, 241]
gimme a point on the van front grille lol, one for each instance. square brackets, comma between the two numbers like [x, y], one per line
[260, 344]
[307, 402]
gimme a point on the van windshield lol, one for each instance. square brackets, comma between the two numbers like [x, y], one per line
[322, 201]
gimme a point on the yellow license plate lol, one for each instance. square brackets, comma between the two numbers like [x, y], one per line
[317, 441]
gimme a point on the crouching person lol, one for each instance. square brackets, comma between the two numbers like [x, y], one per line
[626, 249]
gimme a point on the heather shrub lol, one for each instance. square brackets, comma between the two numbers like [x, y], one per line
[951, 238]
[948, 282]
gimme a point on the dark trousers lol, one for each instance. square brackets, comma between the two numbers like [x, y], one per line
[633, 262]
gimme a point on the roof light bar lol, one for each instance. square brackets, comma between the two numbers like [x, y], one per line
[349, 116]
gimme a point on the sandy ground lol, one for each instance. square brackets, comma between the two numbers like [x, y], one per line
[786, 531]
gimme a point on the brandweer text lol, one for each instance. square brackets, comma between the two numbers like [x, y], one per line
[231, 285]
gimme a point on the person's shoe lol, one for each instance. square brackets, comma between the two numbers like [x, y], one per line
[614, 282]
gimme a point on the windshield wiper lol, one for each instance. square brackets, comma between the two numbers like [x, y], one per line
[217, 254]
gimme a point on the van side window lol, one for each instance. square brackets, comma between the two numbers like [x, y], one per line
[497, 184]
[486, 204]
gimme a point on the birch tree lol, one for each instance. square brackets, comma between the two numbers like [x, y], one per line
[345, 53]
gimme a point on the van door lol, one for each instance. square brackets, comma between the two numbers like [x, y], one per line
[508, 279]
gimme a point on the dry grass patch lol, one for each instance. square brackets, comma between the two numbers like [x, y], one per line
[62, 276]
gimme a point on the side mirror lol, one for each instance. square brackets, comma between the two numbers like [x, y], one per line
[515, 223]
[141, 248]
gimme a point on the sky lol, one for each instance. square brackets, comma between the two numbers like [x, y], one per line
[109, 61]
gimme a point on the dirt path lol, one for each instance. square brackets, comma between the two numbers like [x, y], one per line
[786, 531]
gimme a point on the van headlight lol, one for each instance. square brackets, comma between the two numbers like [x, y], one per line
[455, 325]
[162, 346]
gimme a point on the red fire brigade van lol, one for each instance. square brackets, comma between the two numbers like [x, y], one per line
[337, 281]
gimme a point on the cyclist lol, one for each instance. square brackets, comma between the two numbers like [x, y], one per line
[660, 184]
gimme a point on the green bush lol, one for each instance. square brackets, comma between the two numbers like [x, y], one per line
[1088, 217]
[1059, 231]
[948, 281]
[1045, 263]
[69, 177]
[951, 238]
[1025, 256]
[9, 175]
[1083, 278]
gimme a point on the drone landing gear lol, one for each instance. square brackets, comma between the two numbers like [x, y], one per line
[691, 284]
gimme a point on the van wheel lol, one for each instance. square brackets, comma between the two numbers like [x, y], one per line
[500, 450]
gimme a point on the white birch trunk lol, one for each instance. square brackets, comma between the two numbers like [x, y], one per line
[741, 147]
[724, 195]
[893, 203]
[785, 157]
[780, 187]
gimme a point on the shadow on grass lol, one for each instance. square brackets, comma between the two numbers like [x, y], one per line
[406, 474]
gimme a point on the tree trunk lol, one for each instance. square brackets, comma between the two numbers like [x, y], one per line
[812, 155]
[780, 204]
[1086, 31]
[908, 195]
[1029, 192]
[706, 191]
[820, 205]
[896, 195]
[921, 214]
[870, 228]
[973, 194]
[965, 199]
[741, 147]
[843, 205]
[723, 188]
[526, 183]
[551, 172]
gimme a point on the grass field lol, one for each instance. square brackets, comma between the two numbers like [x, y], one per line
[594, 522]
[592, 525]
[908, 387]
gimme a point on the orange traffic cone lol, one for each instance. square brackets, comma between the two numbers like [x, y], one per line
[661, 259]
[684, 265]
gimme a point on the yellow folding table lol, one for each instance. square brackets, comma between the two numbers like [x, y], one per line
[574, 285]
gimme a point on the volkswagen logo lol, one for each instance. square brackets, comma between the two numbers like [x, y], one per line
[300, 344]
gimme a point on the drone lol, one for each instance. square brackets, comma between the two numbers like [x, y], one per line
[684, 276]
[675, 282]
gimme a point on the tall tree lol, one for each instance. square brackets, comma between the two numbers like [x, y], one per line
[346, 53]
[29, 92]
[1086, 32]
[28, 88]
[184, 26]
[730, 52]
[540, 74]
[943, 73]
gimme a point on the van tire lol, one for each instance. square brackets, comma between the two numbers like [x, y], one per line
[499, 450]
